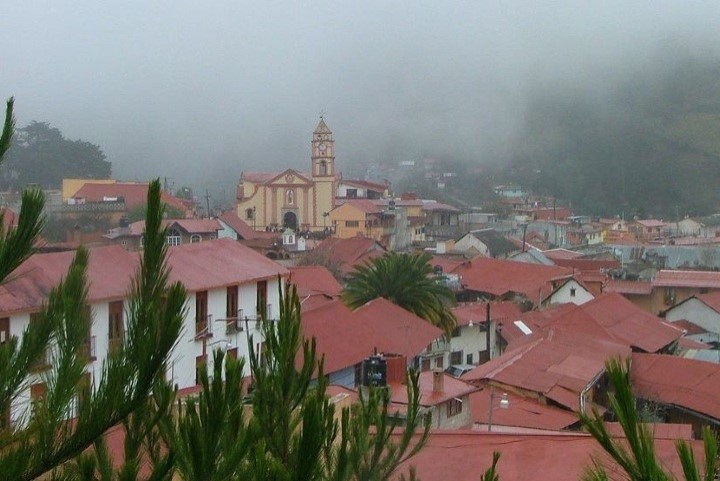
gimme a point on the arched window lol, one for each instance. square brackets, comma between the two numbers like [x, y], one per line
[249, 213]
[195, 238]
[173, 237]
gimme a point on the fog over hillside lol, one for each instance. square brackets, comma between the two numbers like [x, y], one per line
[200, 91]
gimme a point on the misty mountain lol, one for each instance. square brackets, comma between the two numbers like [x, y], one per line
[647, 145]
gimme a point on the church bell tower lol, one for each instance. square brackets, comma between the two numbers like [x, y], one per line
[323, 151]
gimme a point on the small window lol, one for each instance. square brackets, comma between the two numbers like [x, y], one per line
[195, 238]
[173, 237]
[250, 213]
[454, 407]
[456, 357]
[572, 292]
[352, 223]
[352, 193]
[456, 333]
[468, 359]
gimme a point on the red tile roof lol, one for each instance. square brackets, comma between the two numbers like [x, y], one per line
[615, 318]
[311, 280]
[196, 226]
[638, 288]
[241, 227]
[109, 272]
[347, 337]
[499, 277]
[558, 366]
[134, 194]
[452, 388]
[711, 299]
[218, 263]
[522, 412]
[560, 253]
[693, 385]
[364, 205]
[699, 279]
[465, 455]
[476, 312]
[348, 253]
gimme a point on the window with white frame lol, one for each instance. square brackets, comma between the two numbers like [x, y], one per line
[173, 237]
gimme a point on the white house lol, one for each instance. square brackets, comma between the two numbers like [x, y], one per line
[224, 281]
[569, 291]
[702, 310]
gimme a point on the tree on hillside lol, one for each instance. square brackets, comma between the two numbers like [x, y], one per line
[41, 438]
[406, 280]
[42, 155]
[636, 453]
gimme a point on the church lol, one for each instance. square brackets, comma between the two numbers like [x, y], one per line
[292, 199]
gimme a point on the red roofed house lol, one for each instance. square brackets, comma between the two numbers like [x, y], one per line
[616, 319]
[346, 337]
[362, 189]
[315, 286]
[669, 287]
[484, 278]
[224, 281]
[348, 253]
[472, 336]
[647, 229]
[637, 292]
[689, 389]
[445, 398]
[180, 231]
[701, 310]
[560, 368]
[362, 217]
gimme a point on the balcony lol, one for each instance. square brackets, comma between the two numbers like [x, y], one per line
[203, 327]
[114, 344]
[233, 325]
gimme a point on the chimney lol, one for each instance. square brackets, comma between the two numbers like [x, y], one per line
[438, 380]
[396, 368]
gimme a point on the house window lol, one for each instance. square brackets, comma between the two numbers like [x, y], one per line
[87, 349]
[456, 332]
[202, 326]
[232, 353]
[439, 362]
[232, 316]
[41, 363]
[261, 299]
[4, 330]
[572, 292]
[38, 392]
[425, 365]
[454, 407]
[669, 296]
[352, 194]
[195, 238]
[250, 214]
[83, 390]
[116, 328]
[469, 358]
[200, 367]
[352, 223]
[456, 357]
[173, 237]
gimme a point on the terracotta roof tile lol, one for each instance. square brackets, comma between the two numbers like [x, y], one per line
[312, 280]
[134, 194]
[242, 228]
[348, 253]
[637, 288]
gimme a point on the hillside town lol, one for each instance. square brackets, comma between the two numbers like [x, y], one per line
[544, 298]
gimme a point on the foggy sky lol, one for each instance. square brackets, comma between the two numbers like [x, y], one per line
[200, 91]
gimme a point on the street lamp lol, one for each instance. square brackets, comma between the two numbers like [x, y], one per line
[504, 404]
[254, 211]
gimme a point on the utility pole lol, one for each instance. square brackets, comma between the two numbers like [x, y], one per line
[207, 202]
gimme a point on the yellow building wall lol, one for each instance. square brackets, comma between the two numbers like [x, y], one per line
[340, 216]
[71, 186]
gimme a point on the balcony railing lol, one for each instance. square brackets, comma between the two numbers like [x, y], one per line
[203, 328]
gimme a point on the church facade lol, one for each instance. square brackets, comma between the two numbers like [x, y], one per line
[293, 199]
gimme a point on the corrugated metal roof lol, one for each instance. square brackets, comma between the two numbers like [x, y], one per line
[667, 278]
[691, 384]
[522, 412]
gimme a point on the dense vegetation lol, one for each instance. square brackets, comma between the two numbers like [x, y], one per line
[647, 145]
[41, 155]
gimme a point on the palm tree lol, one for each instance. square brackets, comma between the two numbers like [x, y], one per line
[406, 280]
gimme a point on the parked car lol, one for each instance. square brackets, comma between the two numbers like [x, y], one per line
[457, 370]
